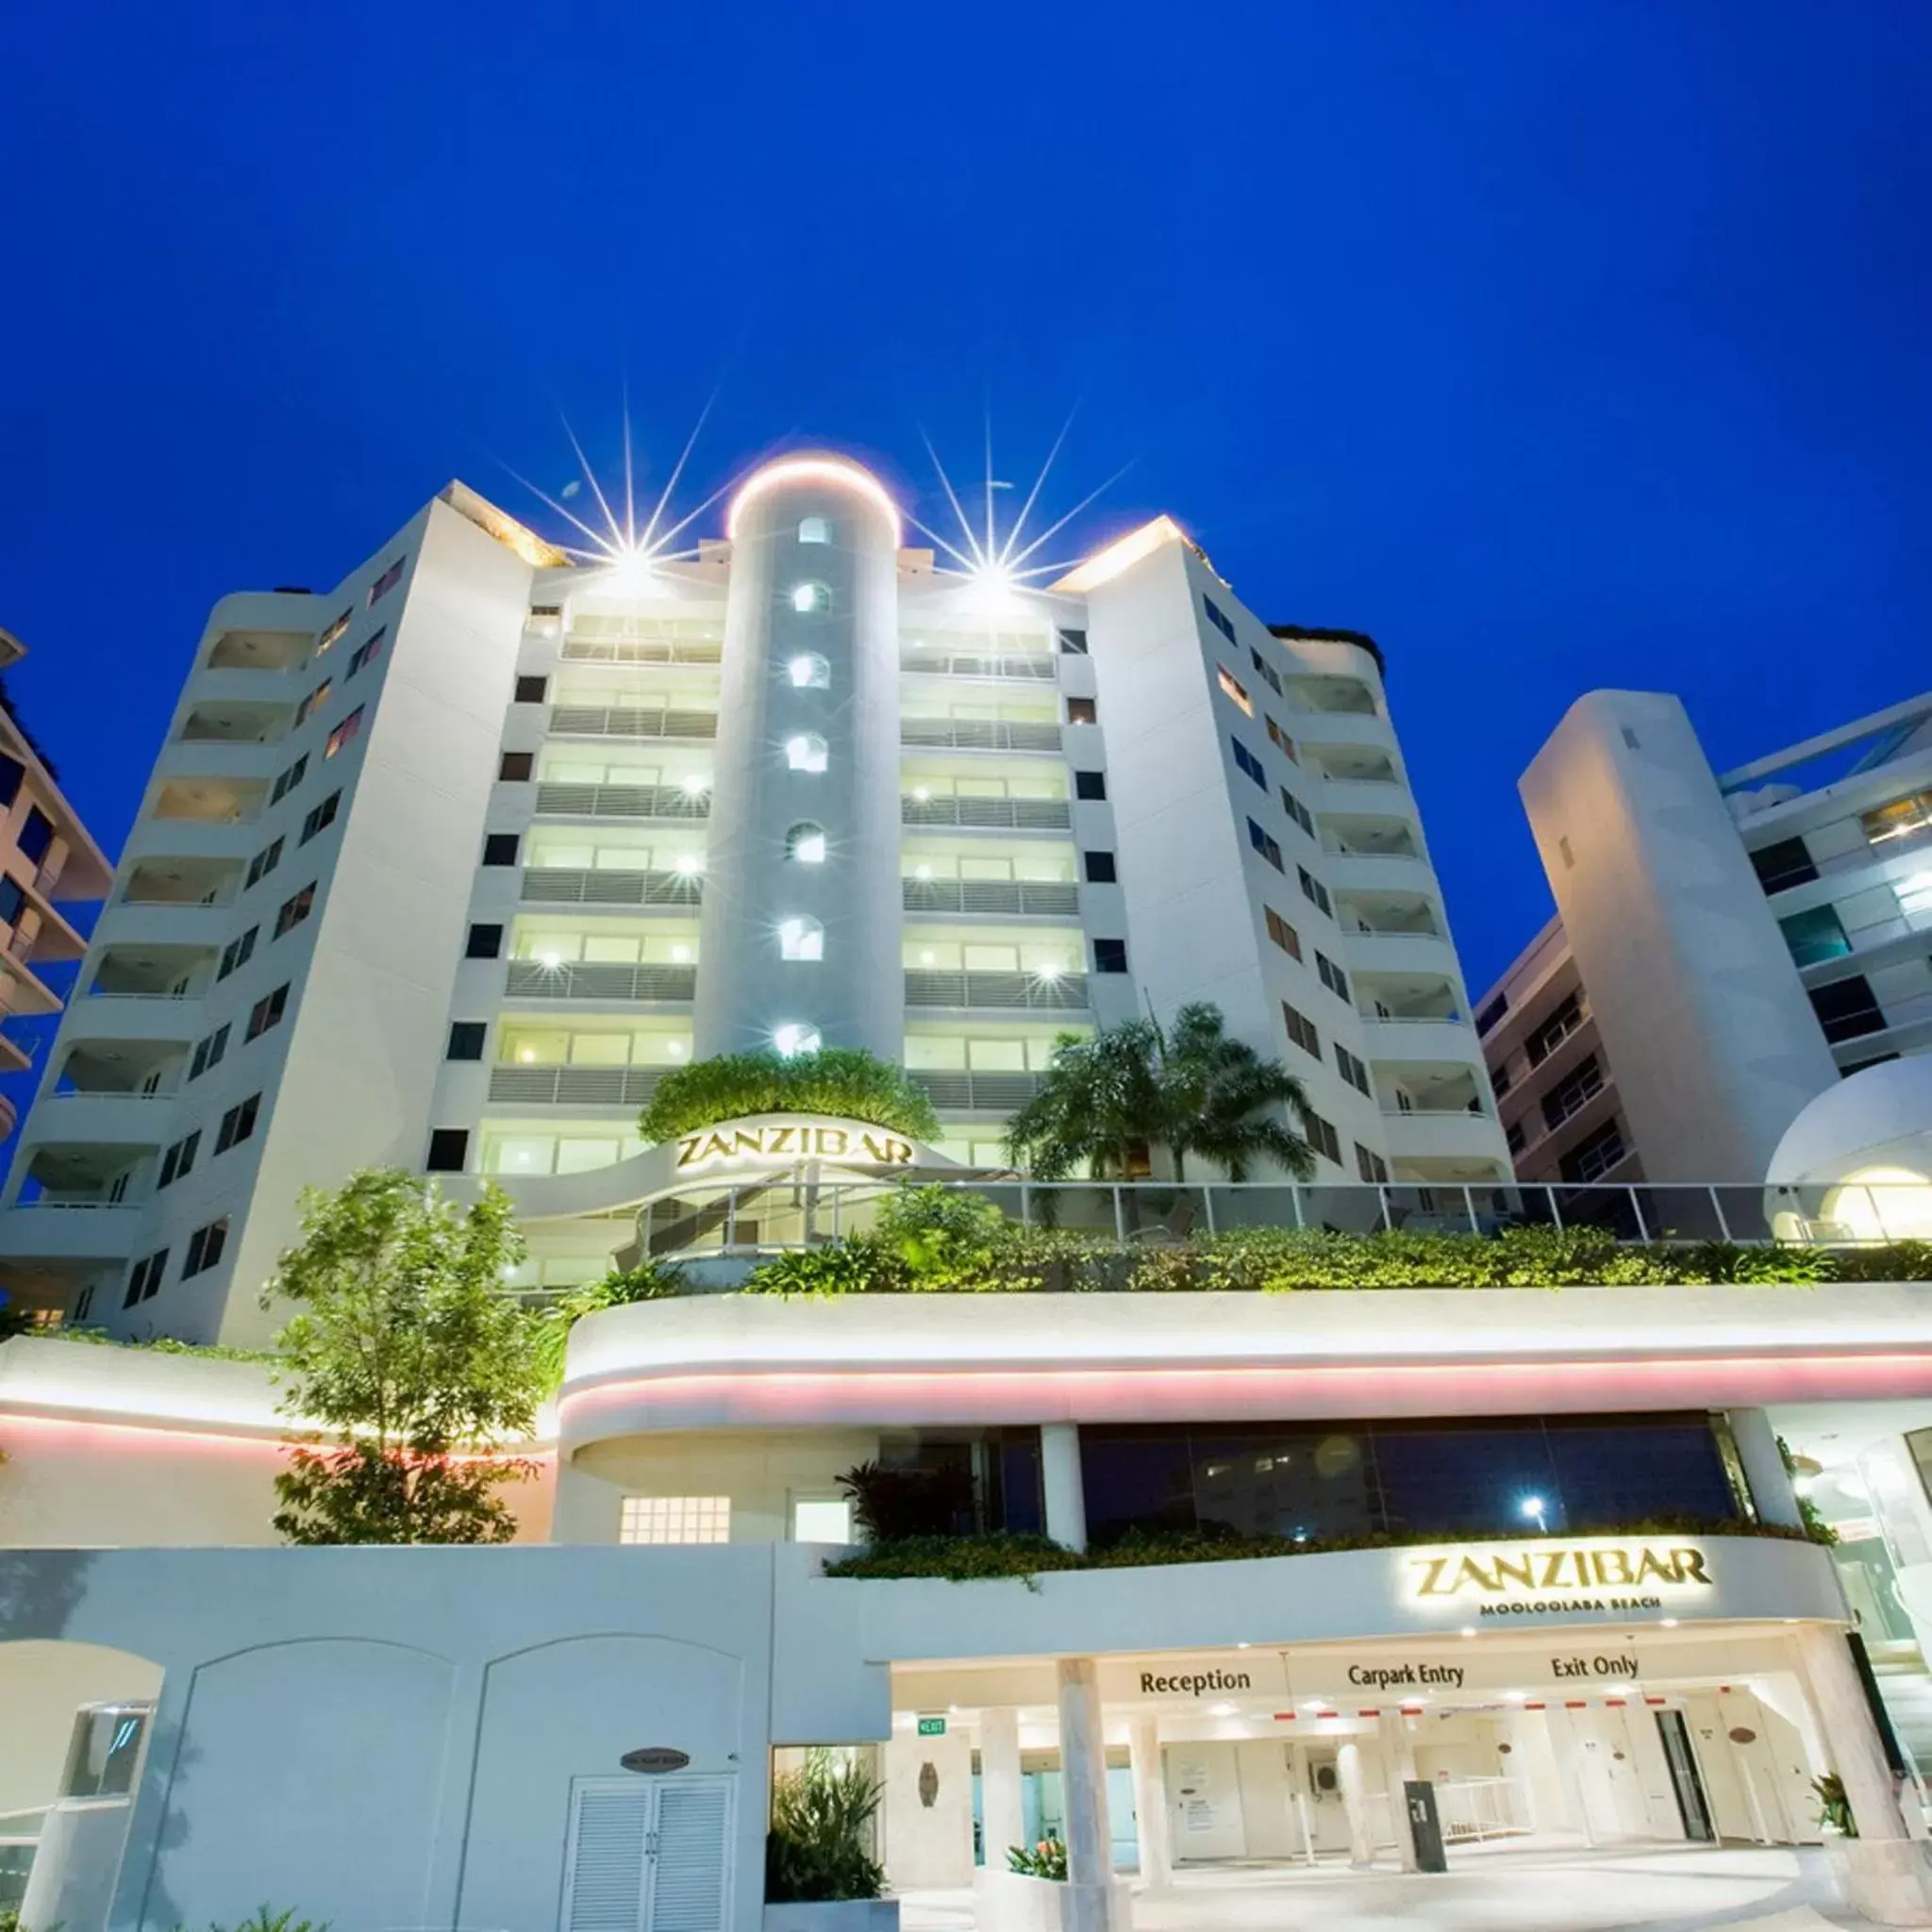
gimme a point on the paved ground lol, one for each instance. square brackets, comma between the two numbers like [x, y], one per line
[1650, 1889]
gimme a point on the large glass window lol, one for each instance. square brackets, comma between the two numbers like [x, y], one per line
[1815, 935]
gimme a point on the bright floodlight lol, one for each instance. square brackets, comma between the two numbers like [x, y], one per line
[630, 574]
[696, 785]
[794, 1038]
[551, 961]
[1536, 1510]
[687, 865]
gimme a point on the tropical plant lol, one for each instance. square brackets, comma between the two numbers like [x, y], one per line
[858, 1266]
[1834, 1808]
[841, 1080]
[946, 1237]
[819, 1848]
[263, 1919]
[649, 1281]
[1189, 1088]
[404, 1346]
[1046, 1859]
[889, 1504]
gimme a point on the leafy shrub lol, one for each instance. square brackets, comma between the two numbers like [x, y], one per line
[858, 1266]
[841, 1080]
[948, 1239]
[263, 1920]
[890, 1503]
[1047, 1859]
[819, 1846]
[960, 1559]
[649, 1281]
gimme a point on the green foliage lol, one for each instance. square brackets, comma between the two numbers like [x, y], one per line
[650, 1281]
[160, 1344]
[819, 1846]
[1047, 1859]
[263, 1919]
[1189, 1088]
[404, 1346]
[859, 1266]
[839, 1080]
[960, 1559]
[1834, 1808]
[1809, 1514]
[946, 1239]
[892, 1504]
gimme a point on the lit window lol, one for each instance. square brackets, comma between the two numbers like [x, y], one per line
[674, 1520]
[344, 733]
[794, 1038]
[805, 844]
[807, 597]
[822, 1520]
[1231, 685]
[809, 671]
[802, 939]
[806, 753]
[815, 530]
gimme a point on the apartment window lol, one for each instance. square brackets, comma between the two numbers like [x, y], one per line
[805, 844]
[1787, 863]
[1573, 1093]
[1082, 711]
[1353, 1071]
[1232, 686]
[1593, 1155]
[1090, 785]
[1314, 890]
[11, 772]
[305, 709]
[263, 863]
[485, 942]
[207, 1053]
[1072, 643]
[178, 1159]
[801, 939]
[1491, 1013]
[674, 1520]
[809, 671]
[466, 1040]
[1501, 1079]
[1220, 618]
[1100, 868]
[366, 652]
[1372, 1167]
[516, 767]
[1302, 1030]
[13, 900]
[1815, 935]
[815, 530]
[1266, 846]
[1321, 1137]
[449, 1150]
[1516, 1138]
[500, 848]
[328, 639]
[1332, 976]
[319, 817]
[237, 1124]
[1553, 1031]
[387, 581]
[1249, 764]
[1282, 741]
[145, 1278]
[806, 752]
[1905, 818]
[266, 1012]
[1265, 670]
[294, 910]
[290, 780]
[205, 1247]
[1847, 1008]
[1283, 934]
[236, 953]
[344, 733]
[1297, 811]
[1109, 956]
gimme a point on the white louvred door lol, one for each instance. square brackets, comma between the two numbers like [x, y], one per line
[607, 1860]
[690, 1862]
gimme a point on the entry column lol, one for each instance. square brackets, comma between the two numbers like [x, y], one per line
[1062, 1489]
[1090, 1896]
[1002, 1804]
[1150, 1803]
[1765, 1472]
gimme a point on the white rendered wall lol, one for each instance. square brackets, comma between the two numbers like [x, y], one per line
[41, 1686]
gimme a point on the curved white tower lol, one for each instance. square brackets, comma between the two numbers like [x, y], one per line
[800, 931]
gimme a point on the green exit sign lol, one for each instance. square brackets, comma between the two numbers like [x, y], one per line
[932, 1727]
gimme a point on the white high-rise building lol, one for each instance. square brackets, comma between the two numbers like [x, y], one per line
[446, 865]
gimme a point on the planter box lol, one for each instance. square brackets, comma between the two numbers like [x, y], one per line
[1007, 1902]
[842, 1915]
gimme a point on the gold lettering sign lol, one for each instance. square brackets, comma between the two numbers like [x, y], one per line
[730, 1144]
[1515, 1582]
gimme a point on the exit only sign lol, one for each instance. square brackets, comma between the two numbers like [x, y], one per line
[932, 1727]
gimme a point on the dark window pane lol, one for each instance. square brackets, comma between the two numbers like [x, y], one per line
[1090, 784]
[486, 943]
[449, 1148]
[1787, 863]
[1846, 1009]
[1136, 1479]
[1448, 1479]
[1611, 1473]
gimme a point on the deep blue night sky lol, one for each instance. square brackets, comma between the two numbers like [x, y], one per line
[1556, 344]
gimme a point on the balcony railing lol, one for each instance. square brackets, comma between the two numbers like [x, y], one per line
[655, 720]
[1064, 993]
[583, 650]
[979, 734]
[1032, 670]
[1000, 814]
[965, 1092]
[622, 802]
[518, 1086]
[530, 979]
[561, 885]
[1009, 898]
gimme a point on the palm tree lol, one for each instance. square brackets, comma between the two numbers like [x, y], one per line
[1189, 1088]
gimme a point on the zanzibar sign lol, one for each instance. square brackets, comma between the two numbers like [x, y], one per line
[1540, 1579]
[801, 1140]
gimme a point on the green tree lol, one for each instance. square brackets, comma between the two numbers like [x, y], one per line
[406, 1348]
[835, 1080]
[1189, 1088]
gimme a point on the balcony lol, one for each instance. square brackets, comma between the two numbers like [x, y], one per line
[655, 720]
[259, 650]
[1064, 993]
[622, 802]
[52, 1229]
[213, 722]
[209, 802]
[979, 734]
[1395, 1038]
[1332, 696]
[554, 885]
[993, 898]
[527, 1085]
[584, 647]
[119, 1120]
[530, 979]
[143, 972]
[963, 1092]
[1355, 872]
[992, 814]
[21, 989]
[140, 1019]
[1021, 667]
[179, 880]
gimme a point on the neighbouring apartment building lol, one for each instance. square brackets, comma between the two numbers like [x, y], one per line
[446, 865]
[1726, 945]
